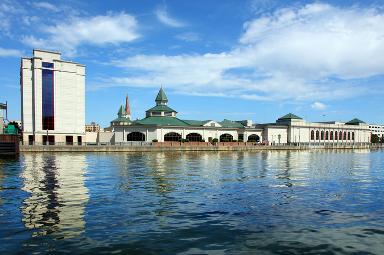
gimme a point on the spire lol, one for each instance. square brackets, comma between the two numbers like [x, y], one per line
[127, 108]
[161, 98]
[121, 111]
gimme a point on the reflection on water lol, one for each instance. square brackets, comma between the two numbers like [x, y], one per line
[57, 194]
[272, 202]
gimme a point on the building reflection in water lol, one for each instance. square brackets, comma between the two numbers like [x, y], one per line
[58, 195]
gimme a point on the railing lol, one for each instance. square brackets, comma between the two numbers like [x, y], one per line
[201, 144]
[85, 144]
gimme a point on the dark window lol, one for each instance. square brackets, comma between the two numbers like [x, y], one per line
[51, 139]
[349, 135]
[194, 137]
[69, 140]
[322, 135]
[317, 135]
[353, 136]
[48, 100]
[254, 138]
[226, 138]
[312, 135]
[31, 139]
[79, 140]
[47, 65]
[326, 135]
[175, 137]
[331, 135]
[340, 135]
[136, 136]
[345, 135]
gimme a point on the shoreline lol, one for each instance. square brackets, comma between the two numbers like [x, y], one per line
[116, 148]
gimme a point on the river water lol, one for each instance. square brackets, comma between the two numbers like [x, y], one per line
[276, 202]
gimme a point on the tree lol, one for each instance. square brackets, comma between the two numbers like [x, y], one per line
[16, 125]
[382, 139]
[374, 138]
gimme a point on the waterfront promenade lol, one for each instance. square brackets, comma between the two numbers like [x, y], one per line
[179, 146]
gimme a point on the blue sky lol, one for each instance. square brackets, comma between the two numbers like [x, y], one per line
[250, 59]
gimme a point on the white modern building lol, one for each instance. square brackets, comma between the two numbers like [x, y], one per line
[52, 99]
[162, 124]
[377, 130]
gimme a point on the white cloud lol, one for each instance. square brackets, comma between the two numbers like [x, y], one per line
[45, 5]
[318, 106]
[98, 30]
[292, 54]
[163, 16]
[188, 37]
[10, 52]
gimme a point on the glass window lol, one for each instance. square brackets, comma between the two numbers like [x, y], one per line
[47, 100]
[47, 65]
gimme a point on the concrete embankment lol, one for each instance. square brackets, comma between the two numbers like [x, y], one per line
[115, 148]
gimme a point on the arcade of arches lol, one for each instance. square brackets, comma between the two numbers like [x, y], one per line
[136, 136]
[332, 135]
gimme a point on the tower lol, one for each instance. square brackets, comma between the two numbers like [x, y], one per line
[52, 99]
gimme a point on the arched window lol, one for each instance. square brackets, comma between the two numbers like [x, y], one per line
[353, 136]
[349, 135]
[345, 135]
[312, 135]
[254, 138]
[226, 138]
[331, 135]
[322, 135]
[194, 137]
[317, 135]
[340, 135]
[172, 136]
[135, 136]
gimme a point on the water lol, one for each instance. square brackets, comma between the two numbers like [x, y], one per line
[280, 202]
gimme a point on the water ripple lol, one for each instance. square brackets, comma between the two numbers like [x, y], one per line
[273, 202]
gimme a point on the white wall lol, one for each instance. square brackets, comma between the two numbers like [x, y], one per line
[69, 96]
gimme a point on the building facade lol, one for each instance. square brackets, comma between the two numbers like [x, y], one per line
[93, 127]
[52, 99]
[377, 130]
[162, 124]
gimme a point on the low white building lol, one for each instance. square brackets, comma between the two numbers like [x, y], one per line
[377, 130]
[161, 124]
[299, 131]
[52, 99]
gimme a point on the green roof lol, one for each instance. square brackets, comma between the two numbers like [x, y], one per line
[290, 116]
[355, 121]
[120, 112]
[230, 124]
[161, 97]
[122, 119]
[161, 108]
[196, 122]
[161, 121]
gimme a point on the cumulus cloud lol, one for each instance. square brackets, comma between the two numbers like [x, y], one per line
[97, 30]
[9, 52]
[291, 54]
[164, 17]
[318, 106]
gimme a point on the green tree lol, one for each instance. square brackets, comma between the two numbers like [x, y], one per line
[375, 138]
